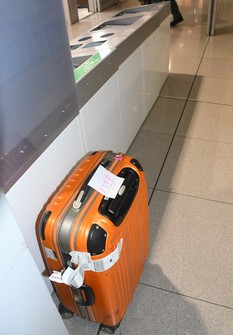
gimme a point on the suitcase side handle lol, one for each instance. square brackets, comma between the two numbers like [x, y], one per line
[43, 222]
[88, 293]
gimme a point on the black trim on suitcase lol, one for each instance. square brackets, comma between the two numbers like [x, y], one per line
[136, 163]
[43, 222]
[96, 240]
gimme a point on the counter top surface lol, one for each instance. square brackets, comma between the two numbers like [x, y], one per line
[98, 53]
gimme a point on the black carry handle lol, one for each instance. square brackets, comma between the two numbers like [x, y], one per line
[123, 193]
[43, 222]
[89, 296]
[116, 209]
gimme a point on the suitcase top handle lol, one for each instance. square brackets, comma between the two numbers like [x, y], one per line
[116, 209]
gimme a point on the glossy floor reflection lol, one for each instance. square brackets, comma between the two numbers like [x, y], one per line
[185, 146]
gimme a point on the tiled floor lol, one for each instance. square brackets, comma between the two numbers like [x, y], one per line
[187, 283]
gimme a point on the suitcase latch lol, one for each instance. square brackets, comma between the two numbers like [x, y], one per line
[77, 202]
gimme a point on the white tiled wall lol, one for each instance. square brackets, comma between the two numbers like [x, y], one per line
[151, 78]
[131, 92]
[100, 119]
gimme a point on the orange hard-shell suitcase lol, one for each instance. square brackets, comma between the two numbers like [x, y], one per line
[79, 218]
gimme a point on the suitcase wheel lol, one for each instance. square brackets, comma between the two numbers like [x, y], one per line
[108, 329]
[64, 312]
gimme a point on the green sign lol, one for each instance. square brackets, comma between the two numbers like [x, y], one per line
[90, 63]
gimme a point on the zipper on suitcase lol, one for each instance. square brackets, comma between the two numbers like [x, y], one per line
[83, 195]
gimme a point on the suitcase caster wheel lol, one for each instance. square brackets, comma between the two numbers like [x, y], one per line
[108, 329]
[64, 312]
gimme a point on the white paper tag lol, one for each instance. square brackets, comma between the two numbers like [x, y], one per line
[107, 262]
[72, 277]
[106, 182]
[83, 258]
[56, 276]
[77, 280]
[75, 277]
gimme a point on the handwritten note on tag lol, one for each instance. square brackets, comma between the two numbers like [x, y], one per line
[106, 182]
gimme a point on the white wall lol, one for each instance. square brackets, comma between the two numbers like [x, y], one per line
[26, 305]
[101, 119]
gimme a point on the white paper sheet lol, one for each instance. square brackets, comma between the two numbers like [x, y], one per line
[106, 182]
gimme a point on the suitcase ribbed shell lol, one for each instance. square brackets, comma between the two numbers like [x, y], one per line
[67, 229]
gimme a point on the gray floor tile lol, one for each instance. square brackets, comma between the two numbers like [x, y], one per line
[208, 121]
[200, 318]
[184, 65]
[164, 116]
[221, 48]
[216, 67]
[158, 312]
[182, 45]
[177, 86]
[152, 312]
[214, 90]
[199, 168]
[78, 326]
[151, 159]
[191, 240]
